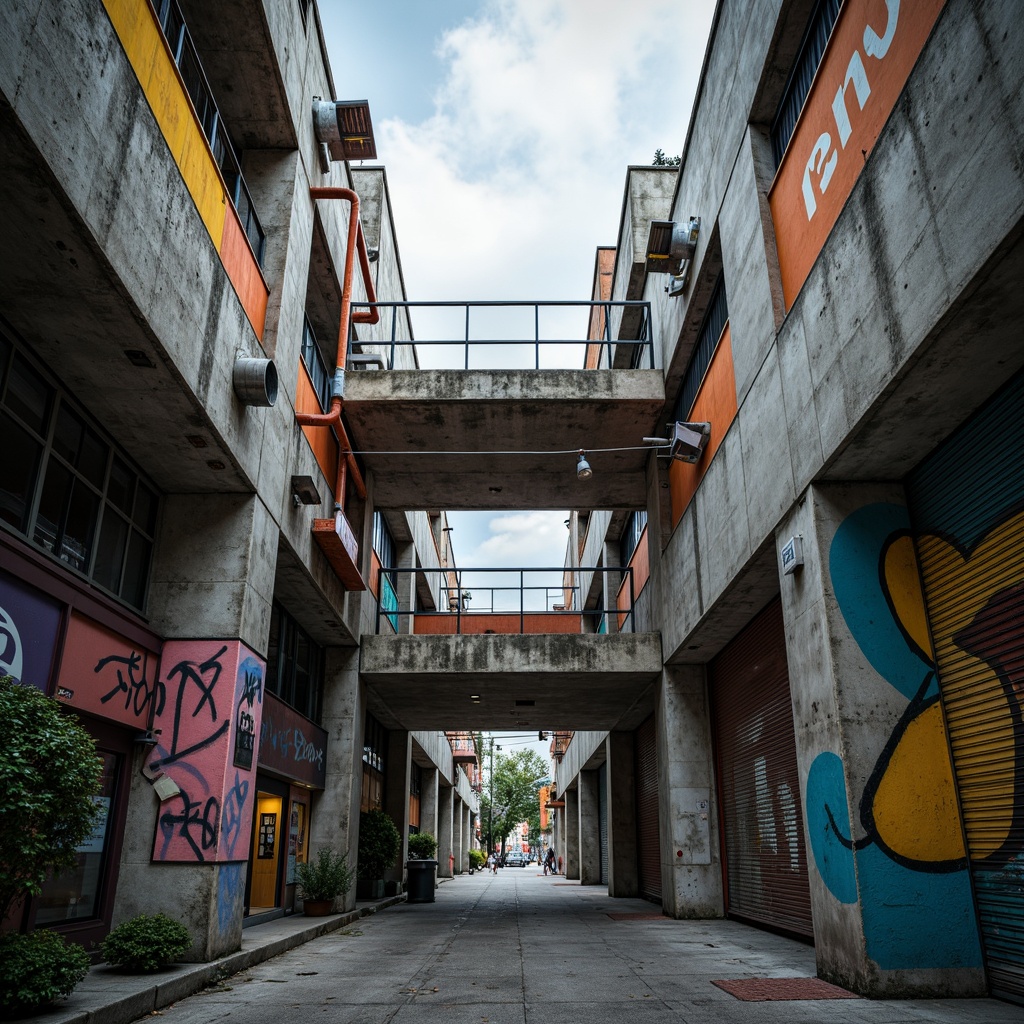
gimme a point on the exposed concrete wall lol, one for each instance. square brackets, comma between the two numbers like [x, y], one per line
[572, 834]
[434, 746]
[429, 786]
[849, 710]
[623, 874]
[589, 827]
[691, 871]
[581, 750]
[397, 780]
[445, 849]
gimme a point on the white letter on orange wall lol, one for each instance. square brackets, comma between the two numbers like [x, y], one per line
[879, 47]
[818, 164]
[854, 73]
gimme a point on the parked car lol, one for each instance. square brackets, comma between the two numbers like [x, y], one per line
[515, 860]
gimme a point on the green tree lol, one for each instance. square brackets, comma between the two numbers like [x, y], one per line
[49, 776]
[516, 781]
[660, 160]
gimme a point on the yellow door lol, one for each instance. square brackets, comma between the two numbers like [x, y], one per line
[266, 852]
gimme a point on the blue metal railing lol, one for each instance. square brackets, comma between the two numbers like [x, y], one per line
[641, 348]
[176, 33]
[520, 598]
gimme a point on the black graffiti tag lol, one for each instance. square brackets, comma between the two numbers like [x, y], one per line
[139, 694]
[194, 820]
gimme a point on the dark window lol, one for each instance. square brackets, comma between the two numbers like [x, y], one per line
[313, 360]
[715, 319]
[66, 488]
[294, 665]
[800, 78]
[375, 743]
[631, 536]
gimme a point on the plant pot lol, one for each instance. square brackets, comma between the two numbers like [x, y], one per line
[317, 908]
[370, 888]
[421, 880]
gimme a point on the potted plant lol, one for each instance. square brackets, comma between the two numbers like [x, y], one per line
[146, 943]
[476, 860]
[379, 845]
[321, 881]
[421, 867]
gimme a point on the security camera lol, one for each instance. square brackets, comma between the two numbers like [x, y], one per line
[689, 441]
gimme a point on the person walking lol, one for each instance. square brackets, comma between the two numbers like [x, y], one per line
[549, 862]
[492, 863]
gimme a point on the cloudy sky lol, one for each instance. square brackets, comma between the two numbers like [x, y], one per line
[506, 127]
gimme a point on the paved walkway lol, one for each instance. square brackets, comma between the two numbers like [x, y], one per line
[522, 948]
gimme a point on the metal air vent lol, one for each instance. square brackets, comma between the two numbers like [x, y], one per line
[344, 127]
[670, 244]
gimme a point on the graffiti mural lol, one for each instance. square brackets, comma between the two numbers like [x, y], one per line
[210, 688]
[901, 851]
[29, 622]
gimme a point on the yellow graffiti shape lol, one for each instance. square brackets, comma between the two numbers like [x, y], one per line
[915, 809]
[904, 586]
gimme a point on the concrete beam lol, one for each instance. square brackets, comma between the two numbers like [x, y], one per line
[584, 681]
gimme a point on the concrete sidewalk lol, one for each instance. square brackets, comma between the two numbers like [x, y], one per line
[517, 947]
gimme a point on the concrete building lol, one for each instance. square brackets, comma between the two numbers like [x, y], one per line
[835, 741]
[783, 664]
[186, 547]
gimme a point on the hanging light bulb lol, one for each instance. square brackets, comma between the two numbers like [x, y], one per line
[583, 470]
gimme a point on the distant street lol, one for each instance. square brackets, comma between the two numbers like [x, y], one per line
[522, 948]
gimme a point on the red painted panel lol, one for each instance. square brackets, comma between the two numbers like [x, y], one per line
[476, 623]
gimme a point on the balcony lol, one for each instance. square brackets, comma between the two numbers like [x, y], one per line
[499, 407]
[523, 601]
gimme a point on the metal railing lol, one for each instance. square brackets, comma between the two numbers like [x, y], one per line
[641, 348]
[541, 607]
[186, 57]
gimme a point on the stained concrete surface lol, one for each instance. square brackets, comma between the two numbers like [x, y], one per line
[532, 949]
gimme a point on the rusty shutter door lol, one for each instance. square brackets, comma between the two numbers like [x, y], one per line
[759, 794]
[969, 529]
[647, 827]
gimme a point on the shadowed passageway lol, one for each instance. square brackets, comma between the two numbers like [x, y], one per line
[522, 948]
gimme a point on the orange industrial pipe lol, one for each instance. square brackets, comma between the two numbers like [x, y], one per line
[332, 418]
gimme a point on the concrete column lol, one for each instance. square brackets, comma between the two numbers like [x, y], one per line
[444, 831]
[210, 598]
[428, 800]
[623, 873]
[691, 875]
[457, 825]
[467, 836]
[572, 834]
[872, 752]
[397, 780]
[590, 827]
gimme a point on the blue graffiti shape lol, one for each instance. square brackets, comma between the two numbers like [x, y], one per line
[252, 688]
[230, 891]
[234, 813]
[195, 819]
[190, 673]
[139, 694]
[306, 750]
[833, 854]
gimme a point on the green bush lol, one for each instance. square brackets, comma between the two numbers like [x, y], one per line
[379, 845]
[146, 943]
[49, 776]
[38, 968]
[325, 877]
[422, 846]
[477, 859]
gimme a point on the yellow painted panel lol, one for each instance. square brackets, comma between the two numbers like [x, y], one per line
[904, 584]
[140, 35]
[915, 808]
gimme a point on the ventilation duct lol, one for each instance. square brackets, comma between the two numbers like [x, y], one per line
[670, 244]
[255, 381]
[344, 129]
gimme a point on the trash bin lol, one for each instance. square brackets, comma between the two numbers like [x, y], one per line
[421, 880]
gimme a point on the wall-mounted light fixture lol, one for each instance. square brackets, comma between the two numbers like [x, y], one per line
[583, 470]
[304, 491]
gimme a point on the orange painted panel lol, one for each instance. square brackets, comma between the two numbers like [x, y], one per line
[715, 404]
[640, 563]
[108, 676]
[477, 623]
[321, 440]
[244, 272]
[374, 574]
[873, 49]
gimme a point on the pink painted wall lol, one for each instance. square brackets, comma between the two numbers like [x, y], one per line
[209, 722]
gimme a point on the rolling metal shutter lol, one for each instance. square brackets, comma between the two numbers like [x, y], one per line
[968, 520]
[602, 810]
[759, 793]
[647, 827]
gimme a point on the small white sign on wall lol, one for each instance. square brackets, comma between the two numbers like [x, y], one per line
[792, 555]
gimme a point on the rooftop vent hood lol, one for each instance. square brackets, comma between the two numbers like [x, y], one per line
[344, 130]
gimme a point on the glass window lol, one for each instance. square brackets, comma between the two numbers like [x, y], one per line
[710, 333]
[68, 494]
[631, 533]
[75, 894]
[294, 665]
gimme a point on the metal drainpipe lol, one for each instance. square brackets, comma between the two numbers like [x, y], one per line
[332, 418]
